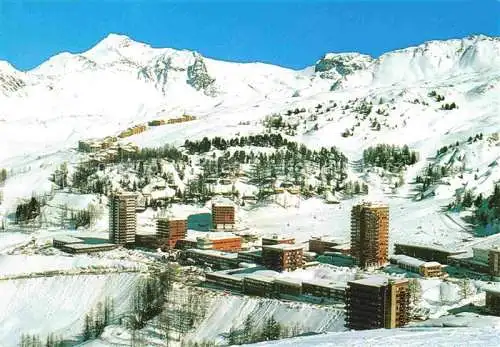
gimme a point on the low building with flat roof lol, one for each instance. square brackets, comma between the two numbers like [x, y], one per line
[324, 288]
[218, 259]
[259, 285]
[288, 286]
[424, 268]
[222, 241]
[426, 252]
[76, 248]
[250, 256]
[60, 241]
[222, 278]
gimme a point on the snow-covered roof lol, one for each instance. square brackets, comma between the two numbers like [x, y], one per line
[376, 281]
[221, 201]
[210, 235]
[289, 281]
[80, 246]
[438, 248]
[214, 253]
[493, 289]
[67, 239]
[414, 262]
[284, 246]
[326, 283]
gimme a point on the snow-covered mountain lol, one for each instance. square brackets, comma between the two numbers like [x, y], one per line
[120, 82]
[347, 100]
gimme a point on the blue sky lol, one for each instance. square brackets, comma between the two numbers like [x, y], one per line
[287, 33]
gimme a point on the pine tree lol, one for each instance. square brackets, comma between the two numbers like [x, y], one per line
[468, 199]
[478, 201]
[248, 330]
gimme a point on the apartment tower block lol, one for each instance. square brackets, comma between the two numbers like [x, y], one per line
[377, 302]
[370, 234]
[122, 218]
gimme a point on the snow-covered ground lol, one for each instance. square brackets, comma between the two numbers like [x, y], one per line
[12, 265]
[396, 337]
[58, 304]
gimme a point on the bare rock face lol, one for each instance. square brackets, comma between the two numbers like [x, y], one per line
[199, 78]
[334, 66]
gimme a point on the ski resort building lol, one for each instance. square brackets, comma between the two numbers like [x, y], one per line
[324, 289]
[424, 268]
[220, 241]
[250, 257]
[77, 248]
[259, 285]
[75, 245]
[370, 234]
[122, 218]
[223, 215]
[267, 283]
[283, 257]
[216, 259]
[377, 302]
[426, 252]
[170, 230]
[493, 300]
[494, 262]
[61, 241]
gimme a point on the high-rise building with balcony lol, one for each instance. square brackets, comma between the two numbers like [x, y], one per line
[377, 302]
[122, 218]
[370, 234]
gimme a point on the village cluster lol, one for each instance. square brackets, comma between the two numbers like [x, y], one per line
[235, 264]
[109, 148]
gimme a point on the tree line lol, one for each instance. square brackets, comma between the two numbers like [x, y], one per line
[269, 330]
[389, 157]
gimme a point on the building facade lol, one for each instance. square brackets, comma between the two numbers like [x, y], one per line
[122, 218]
[493, 301]
[494, 262]
[377, 302]
[427, 253]
[170, 231]
[229, 243]
[424, 268]
[223, 215]
[283, 257]
[370, 234]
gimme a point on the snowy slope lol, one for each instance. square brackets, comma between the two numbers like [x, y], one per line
[57, 304]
